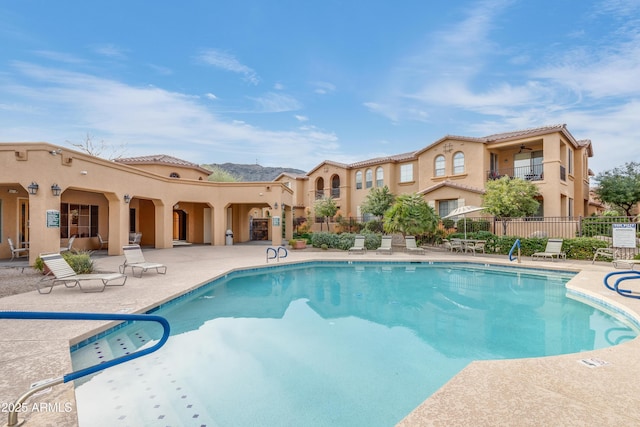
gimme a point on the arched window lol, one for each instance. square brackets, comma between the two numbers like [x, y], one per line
[174, 175]
[319, 188]
[359, 180]
[379, 177]
[458, 163]
[335, 186]
[368, 178]
[439, 166]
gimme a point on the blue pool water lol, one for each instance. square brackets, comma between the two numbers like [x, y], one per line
[332, 344]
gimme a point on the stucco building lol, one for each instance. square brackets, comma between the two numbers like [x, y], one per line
[453, 171]
[49, 193]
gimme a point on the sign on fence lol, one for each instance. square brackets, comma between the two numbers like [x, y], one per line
[624, 235]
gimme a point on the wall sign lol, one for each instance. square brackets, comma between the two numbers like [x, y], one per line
[624, 235]
[53, 218]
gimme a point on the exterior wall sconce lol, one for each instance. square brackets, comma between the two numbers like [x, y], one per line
[127, 198]
[33, 188]
[275, 206]
[56, 190]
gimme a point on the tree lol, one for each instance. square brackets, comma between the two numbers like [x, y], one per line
[378, 201]
[620, 187]
[98, 148]
[507, 198]
[326, 208]
[220, 175]
[410, 215]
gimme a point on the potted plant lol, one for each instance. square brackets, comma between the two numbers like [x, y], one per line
[298, 243]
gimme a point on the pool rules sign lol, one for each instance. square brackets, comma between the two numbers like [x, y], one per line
[624, 235]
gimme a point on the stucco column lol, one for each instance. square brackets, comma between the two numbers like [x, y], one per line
[219, 225]
[288, 229]
[118, 224]
[551, 164]
[43, 239]
[276, 229]
[164, 224]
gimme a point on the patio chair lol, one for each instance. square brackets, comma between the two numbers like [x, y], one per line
[553, 250]
[63, 273]
[16, 252]
[358, 246]
[385, 245]
[102, 242]
[452, 245]
[410, 245]
[69, 245]
[134, 258]
[475, 246]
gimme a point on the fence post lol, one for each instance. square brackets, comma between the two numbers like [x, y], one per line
[580, 226]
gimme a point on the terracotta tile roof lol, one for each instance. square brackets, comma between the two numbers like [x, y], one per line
[161, 159]
[452, 184]
[393, 158]
[524, 132]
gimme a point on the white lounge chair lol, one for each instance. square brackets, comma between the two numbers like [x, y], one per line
[69, 245]
[16, 252]
[385, 245]
[410, 243]
[358, 246]
[63, 273]
[134, 258]
[553, 250]
[102, 242]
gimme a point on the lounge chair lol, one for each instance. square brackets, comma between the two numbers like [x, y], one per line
[63, 273]
[385, 245]
[134, 258]
[102, 242]
[16, 252]
[553, 250]
[69, 245]
[358, 246]
[410, 245]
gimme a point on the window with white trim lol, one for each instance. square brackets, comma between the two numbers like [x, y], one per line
[406, 172]
[439, 166]
[368, 178]
[379, 177]
[359, 180]
[458, 163]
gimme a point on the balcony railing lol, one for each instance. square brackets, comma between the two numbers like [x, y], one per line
[529, 173]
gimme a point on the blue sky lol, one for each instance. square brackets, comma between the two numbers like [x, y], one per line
[293, 83]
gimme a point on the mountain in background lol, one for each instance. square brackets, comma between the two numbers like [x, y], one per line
[253, 172]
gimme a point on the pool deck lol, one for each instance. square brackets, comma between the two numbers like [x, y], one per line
[559, 390]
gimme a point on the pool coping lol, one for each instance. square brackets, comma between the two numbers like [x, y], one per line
[559, 388]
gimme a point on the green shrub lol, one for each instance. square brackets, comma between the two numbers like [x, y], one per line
[345, 241]
[80, 261]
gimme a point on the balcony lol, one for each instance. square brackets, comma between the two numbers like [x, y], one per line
[529, 173]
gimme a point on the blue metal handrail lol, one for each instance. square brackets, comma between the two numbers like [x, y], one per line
[276, 253]
[632, 274]
[516, 243]
[44, 315]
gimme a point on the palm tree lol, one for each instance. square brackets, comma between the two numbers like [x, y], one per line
[410, 215]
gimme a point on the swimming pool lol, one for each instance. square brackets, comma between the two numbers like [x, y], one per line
[332, 343]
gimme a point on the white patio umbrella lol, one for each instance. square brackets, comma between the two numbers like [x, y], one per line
[463, 211]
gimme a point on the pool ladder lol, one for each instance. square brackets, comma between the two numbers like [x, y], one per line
[515, 244]
[276, 253]
[12, 420]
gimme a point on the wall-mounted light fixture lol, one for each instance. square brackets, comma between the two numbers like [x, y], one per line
[127, 198]
[83, 172]
[56, 190]
[275, 206]
[33, 188]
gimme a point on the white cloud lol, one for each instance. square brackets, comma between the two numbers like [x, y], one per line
[275, 103]
[211, 96]
[228, 62]
[323, 88]
[149, 120]
[301, 118]
[109, 50]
